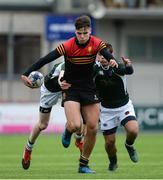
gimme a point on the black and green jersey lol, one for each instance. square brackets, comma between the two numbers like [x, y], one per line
[111, 85]
[51, 79]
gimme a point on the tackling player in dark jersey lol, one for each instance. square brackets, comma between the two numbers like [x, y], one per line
[116, 107]
[50, 92]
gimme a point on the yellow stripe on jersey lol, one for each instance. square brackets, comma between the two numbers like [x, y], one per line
[61, 49]
[82, 60]
[101, 46]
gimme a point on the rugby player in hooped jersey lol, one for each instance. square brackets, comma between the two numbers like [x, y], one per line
[116, 108]
[80, 54]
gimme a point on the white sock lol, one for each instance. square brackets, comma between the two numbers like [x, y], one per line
[29, 146]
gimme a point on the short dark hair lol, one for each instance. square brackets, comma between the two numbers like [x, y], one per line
[82, 21]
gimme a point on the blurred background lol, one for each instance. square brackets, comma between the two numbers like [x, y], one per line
[30, 29]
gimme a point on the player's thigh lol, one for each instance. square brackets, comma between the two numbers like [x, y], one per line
[44, 117]
[91, 114]
[72, 112]
[132, 126]
[110, 139]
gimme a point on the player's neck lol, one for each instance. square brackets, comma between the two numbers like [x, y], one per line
[82, 45]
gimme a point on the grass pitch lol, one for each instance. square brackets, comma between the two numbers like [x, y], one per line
[51, 161]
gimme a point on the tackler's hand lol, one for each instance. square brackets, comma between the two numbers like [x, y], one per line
[126, 61]
[113, 63]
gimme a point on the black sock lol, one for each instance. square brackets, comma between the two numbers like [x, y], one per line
[113, 159]
[129, 142]
[83, 161]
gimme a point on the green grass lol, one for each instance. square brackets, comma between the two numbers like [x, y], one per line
[51, 161]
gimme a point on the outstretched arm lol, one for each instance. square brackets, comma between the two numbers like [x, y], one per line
[37, 65]
[128, 66]
[125, 67]
[109, 57]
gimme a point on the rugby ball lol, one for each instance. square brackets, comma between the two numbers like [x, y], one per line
[37, 78]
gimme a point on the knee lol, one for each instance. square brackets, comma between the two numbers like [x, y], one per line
[43, 126]
[44, 120]
[132, 128]
[74, 126]
[110, 143]
[92, 129]
[133, 131]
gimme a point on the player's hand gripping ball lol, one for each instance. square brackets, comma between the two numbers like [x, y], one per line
[37, 78]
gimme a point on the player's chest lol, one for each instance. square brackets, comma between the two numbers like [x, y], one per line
[76, 51]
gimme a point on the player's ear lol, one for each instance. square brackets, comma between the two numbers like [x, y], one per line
[75, 32]
[90, 32]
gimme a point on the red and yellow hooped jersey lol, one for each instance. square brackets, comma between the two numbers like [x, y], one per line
[81, 55]
[79, 60]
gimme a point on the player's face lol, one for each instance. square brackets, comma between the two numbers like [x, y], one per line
[83, 34]
[102, 60]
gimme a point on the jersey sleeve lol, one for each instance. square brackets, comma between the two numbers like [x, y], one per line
[61, 49]
[101, 46]
[42, 61]
[65, 47]
[124, 70]
[107, 55]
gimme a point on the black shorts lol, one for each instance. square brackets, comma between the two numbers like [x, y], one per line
[82, 96]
